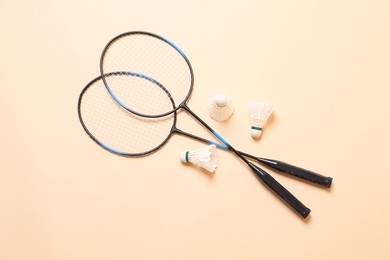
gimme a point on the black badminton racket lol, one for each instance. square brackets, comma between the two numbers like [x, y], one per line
[124, 133]
[274, 164]
[163, 62]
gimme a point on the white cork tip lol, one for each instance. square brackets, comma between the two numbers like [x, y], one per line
[256, 133]
[221, 100]
[183, 157]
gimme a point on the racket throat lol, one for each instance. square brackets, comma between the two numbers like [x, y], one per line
[257, 170]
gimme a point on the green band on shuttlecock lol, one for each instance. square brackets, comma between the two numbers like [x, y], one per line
[257, 128]
[187, 153]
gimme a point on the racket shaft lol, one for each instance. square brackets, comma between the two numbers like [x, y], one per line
[274, 164]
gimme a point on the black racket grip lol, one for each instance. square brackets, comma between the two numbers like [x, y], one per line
[298, 172]
[282, 192]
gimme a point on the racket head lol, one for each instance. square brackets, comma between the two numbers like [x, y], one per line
[148, 54]
[114, 128]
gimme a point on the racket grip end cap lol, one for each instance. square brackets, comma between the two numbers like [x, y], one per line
[305, 213]
[328, 182]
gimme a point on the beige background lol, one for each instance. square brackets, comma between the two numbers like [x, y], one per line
[324, 65]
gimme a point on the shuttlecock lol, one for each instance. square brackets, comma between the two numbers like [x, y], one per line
[259, 114]
[220, 107]
[204, 157]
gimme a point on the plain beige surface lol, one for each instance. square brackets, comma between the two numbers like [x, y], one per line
[324, 65]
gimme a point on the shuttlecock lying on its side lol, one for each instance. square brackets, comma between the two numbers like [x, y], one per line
[204, 157]
[220, 107]
[259, 114]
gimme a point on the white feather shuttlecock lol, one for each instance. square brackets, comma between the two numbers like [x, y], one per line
[259, 114]
[204, 157]
[220, 108]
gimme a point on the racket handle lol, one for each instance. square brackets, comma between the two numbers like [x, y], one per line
[282, 192]
[298, 172]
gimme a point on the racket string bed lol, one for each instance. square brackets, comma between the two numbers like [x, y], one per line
[125, 88]
[115, 127]
[154, 58]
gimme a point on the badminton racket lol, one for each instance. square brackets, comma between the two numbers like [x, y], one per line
[274, 164]
[161, 60]
[124, 133]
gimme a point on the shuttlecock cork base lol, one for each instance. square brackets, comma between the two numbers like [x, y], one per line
[259, 114]
[220, 108]
[204, 157]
